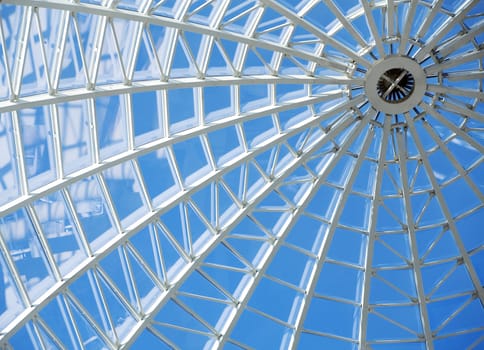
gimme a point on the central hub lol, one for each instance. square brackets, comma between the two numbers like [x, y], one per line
[395, 84]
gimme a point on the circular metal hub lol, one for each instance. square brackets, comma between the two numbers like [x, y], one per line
[395, 84]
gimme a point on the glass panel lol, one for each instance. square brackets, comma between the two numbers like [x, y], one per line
[92, 211]
[27, 253]
[158, 176]
[181, 113]
[191, 160]
[111, 125]
[37, 145]
[218, 102]
[125, 192]
[10, 302]
[60, 231]
[9, 182]
[74, 128]
[147, 116]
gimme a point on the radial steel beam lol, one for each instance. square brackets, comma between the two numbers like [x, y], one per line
[445, 149]
[416, 263]
[455, 129]
[375, 206]
[409, 20]
[450, 90]
[346, 23]
[373, 28]
[444, 28]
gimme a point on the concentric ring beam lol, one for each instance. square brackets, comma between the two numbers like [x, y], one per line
[155, 84]
[171, 23]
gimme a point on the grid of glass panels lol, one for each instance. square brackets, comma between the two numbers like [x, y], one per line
[210, 174]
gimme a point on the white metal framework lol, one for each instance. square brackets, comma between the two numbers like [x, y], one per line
[238, 174]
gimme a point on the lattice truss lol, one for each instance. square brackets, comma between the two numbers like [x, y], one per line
[210, 174]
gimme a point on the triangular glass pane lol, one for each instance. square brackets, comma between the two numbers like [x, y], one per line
[158, 176]
[60, 231]
[72, 72]
[126, 193]
[147, 288]
[93, 212]
[27, 253]
[10, 302]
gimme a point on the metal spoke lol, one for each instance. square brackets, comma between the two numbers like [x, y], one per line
[416, 263]
[375, 207]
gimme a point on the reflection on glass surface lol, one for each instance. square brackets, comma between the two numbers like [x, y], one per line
[222, 175]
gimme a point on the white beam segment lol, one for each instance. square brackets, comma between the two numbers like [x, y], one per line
[326, 243]
[416, 263]
[171, 139]
[409, 20]
[465, 75]
[156, 84]
[346, 24]
[120, 239]
[325, 38]
[373, 29]
[22, 45]
[435, 7]
[390, 17]
[230, 320]
[461, 110]
[444, 28]
[6, 63]
[215, 240]
[177, 24]
[375, 206]
[447, 214]
[455, 61]
[242, 50]
[441, 89]
[208, 42]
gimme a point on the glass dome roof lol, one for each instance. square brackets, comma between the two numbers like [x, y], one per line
[241, 174]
